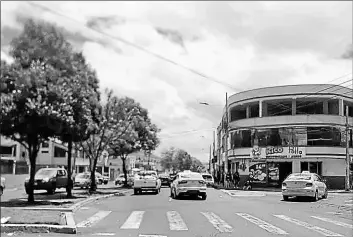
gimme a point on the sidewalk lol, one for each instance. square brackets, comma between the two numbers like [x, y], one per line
[270, 189]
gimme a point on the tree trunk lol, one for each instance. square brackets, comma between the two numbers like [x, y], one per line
[69, 169]
[124, 170]
[93, 175]
[32, 151]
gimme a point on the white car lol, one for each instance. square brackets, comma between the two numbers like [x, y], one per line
[2, 185]
[188, 184]
[304, 184]
[209, 179]
[147, 181]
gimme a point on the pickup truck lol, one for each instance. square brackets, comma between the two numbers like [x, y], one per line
[147, 181]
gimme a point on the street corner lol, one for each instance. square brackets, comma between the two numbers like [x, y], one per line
[241, 193]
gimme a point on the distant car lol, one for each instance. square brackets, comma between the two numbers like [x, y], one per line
[105, 179]
[146, 181]
[83, 180]
[49, 179]
[208, 179]
[165, 180]
[304, 184]
[188, 184]
[2, 185]
[99, 177]
[121, 178]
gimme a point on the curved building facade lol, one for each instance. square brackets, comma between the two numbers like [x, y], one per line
[280, 130]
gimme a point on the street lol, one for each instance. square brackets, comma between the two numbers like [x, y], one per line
[220, 215]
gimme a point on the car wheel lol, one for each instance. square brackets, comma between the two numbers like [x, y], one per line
[316, 197]
[285, 198]
[325, 194]
[203, 197]
[136, 192]
[27, 190]
[1, 191]
[52, 190]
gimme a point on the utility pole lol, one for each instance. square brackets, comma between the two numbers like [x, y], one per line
[226, 142]
[209, 163]
[213, 152]
[347, 185]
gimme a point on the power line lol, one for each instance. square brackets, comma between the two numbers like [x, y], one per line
[202, 75]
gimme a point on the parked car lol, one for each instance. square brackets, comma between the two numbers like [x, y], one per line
[208, 179]
[165, 180]
[99, 177]
[49, 179]
[83, 180]
[147, 181]
[188, 184]
[304, 184]
[121, 178]
[2, 185]
[105, 179]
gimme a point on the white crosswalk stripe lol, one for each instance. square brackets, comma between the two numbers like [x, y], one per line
[263, 224]
[134, 220]
[217, 222]
[320, 230]
[175, 221]
[94, 219]
[333, 221]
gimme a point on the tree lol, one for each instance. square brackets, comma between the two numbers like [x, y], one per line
[34, 90]
[179, 160]
[85, 103]
[137, 132]
[100, 133]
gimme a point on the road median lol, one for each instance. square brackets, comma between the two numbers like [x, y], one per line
[49, 215]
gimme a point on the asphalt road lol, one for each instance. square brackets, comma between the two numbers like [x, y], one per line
[236, 213]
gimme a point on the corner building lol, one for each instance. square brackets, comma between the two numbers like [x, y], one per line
[280, 130]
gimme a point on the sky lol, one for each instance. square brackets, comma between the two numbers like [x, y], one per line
[197, 52]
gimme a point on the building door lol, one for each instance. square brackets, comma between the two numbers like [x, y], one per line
[285, 168]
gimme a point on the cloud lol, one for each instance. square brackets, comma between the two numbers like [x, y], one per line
[243, 44]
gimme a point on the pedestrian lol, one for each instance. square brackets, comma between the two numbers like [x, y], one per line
[236, 178]
[228, 179]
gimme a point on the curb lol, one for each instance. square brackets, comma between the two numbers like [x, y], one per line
[37, 228]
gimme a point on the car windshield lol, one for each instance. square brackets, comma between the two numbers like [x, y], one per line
[46, 172]
[191, 176]
[299, 177]
[207, 177]
[83, 176]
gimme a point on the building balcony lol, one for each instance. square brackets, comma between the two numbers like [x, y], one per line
[291, 120]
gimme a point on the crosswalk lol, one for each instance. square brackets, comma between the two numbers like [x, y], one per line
[176, 222]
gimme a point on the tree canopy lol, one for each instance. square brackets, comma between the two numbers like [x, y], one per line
[178, 160]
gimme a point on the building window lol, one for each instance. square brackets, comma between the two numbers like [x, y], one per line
[238, 112]
[6, 150]
[324, 136]
[312, 167]
[310, 107]
[279, 108]
[59, 152]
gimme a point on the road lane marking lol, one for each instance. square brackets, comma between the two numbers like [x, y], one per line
[134, 220]
[94, 219]
[262, 224]
[308, 226]
[175, 221]
[217, 222]
[105, 234]
[333, 221]
[5, 219]
[152, 235]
